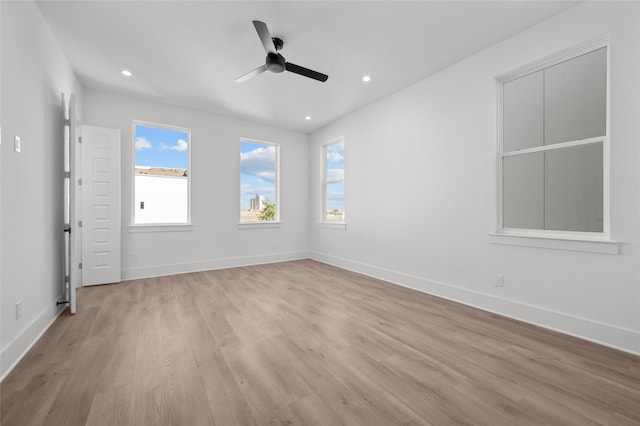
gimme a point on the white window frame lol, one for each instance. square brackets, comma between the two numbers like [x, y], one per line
[158, 227]
[598, 242]
[265, 223]
[323, 191]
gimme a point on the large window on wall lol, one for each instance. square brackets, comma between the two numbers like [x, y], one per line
[259, 202]
[161, 174]
[333, 181]
[553, 147]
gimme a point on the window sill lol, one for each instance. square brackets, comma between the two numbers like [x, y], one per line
[161, 228]
[333, 225]
[589, 245]
[259, 225]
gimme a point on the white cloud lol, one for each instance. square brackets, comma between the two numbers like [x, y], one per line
[180, 146]
[335, 175]
[142, 143]
[334, 157]
[268, 191]
[335, 152]
[260, 162]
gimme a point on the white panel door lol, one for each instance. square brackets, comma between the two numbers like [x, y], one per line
[100, 205]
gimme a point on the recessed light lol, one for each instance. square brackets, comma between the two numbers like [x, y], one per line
[308, 117]
[366, 78]
[126, 73]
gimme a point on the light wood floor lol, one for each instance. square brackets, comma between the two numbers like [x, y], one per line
[305, 343]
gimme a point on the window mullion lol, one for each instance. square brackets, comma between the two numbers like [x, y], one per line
[554, 146]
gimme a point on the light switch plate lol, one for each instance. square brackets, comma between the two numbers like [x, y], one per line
[16, 143]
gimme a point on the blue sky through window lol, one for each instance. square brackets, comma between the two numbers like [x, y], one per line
[159, 147]
[257, 172]
[335, 176]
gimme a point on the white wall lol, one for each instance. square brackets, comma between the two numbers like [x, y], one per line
[215, 240]
[34, 74]
[425, 159]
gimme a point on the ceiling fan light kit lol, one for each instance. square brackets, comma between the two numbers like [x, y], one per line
[274, 61]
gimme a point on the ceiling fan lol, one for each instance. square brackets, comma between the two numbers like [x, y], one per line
[275, 62]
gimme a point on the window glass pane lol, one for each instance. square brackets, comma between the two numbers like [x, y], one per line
[335, 202]
[258, 182]
[574, 188]
[560, 190]
[523, 191]
[334, 182]
[161, 175]
[523, 112]
[575, 98]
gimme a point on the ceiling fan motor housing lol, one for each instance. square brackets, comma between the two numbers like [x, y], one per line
[275, 62]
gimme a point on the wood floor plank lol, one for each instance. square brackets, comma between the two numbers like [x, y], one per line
[266, 389]
[30, 405]
[316, 412]
[306, 343]
[230, 408]
[73, 400]
[111, 407]
[188, 395]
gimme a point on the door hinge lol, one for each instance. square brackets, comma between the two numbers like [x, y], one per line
[79, 139]
[79, 182]
[67, 122]
[80, 265]
[80, 224]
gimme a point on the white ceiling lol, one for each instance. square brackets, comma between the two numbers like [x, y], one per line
[189, 53]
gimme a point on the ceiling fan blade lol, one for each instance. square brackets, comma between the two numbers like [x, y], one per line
[306, 72]
[252, 73]
[265, 36]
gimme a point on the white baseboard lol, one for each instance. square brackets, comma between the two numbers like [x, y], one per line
[604, 334]
[17, 348]
[208, 265]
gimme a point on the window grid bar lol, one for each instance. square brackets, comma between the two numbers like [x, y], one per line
[554, 146]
